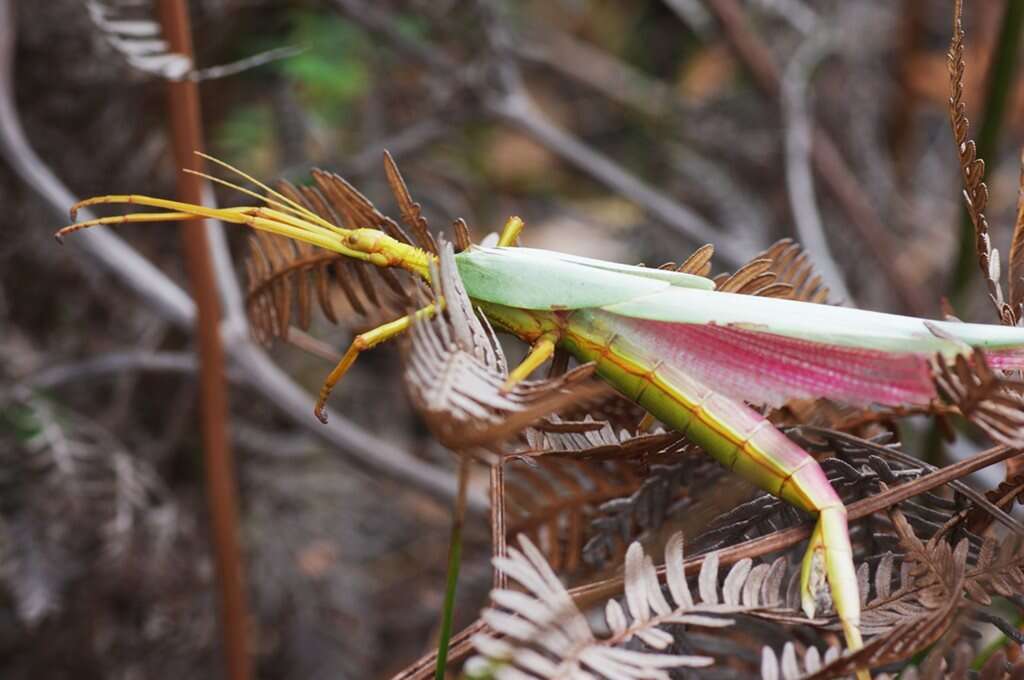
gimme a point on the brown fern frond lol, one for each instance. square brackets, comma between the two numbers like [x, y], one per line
[782, 270]
[461, 236]
[455, 373]
[412, 214]
[993, 402]
[792, 266]
[584, 489]
[749, 279]
[284, 275]
[554, 501]
[699, 263]
[972, 170]
[998, 571]
[925, 609]
[1016, 272]
[1009, 491]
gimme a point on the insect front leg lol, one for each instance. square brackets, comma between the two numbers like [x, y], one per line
[361, 343]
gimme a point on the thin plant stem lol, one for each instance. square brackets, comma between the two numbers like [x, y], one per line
[218, 461]
[454, 560]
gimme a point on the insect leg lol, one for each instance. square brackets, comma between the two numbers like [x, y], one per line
[510, 233]
[542, 350]
[361, 343]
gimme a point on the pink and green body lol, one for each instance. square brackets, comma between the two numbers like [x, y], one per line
[692, 356]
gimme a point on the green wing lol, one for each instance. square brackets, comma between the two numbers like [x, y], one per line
[826, 324]
[545, 280]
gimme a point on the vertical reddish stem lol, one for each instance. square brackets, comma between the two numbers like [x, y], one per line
[221, 494]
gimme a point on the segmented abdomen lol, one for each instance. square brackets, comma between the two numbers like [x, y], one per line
[733, 433]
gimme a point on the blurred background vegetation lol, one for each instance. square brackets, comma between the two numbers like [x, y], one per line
[627, 130]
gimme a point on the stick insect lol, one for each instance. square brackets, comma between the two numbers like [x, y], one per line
[692, 356]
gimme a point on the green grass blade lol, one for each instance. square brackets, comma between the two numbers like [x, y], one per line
[454, 562]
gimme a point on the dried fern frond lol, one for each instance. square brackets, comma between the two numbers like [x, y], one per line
[698, 264]
[455, 373]
[130, 27]
[855, 474]
[284, 274]
[411, 211]
[903, 621]
[788, 666]
[70, 493]
[1016, 269]
[782, 270]
[598, 440]
[546, 635]
[998, 571]
[972, 170]
[792, 266]
[1009, 491]
[133, 32]
[553, 501]
[582, 490]
[993, 402]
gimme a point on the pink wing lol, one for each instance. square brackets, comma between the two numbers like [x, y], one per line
[759, 367]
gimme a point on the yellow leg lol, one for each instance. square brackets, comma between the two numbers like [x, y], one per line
[542, 350]
[361, 343]
[829, 560]
[513, 227]
[125, 219]
[645, 423]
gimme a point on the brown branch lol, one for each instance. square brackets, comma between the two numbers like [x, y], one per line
[221, 494]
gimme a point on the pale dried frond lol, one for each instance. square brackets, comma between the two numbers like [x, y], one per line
[598, 440]
[132, 29]
[919, 611]
[455, 372]
[789, 666]
[546, 636]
